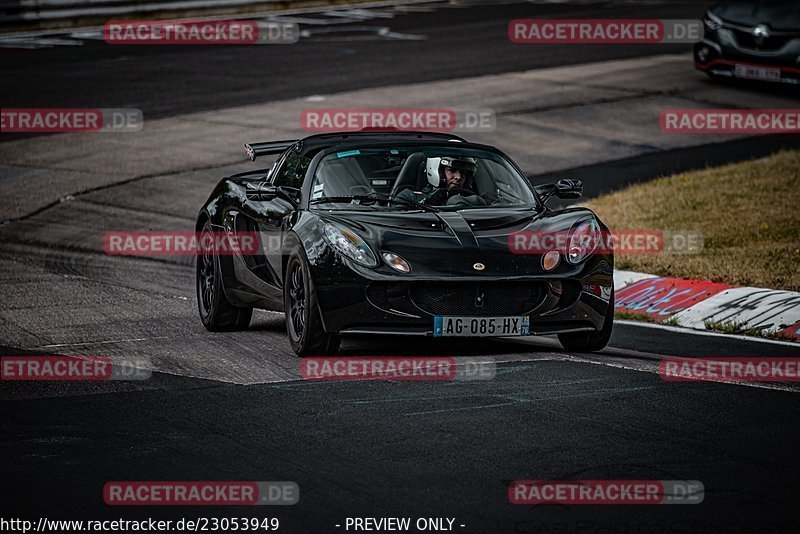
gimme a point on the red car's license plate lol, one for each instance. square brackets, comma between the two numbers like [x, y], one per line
[757, 73]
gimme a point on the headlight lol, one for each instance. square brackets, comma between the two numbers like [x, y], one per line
[396, 262]
[349, 244]
[583, 240]
[712, 22]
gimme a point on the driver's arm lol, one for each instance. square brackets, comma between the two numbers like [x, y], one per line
[407, 194]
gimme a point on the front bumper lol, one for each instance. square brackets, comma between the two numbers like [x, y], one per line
[720, 51]
[354, 304]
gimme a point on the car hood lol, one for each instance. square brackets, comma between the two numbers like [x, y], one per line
[782, 15]
[452, 243]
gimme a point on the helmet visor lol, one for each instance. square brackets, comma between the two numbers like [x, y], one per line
[465, 165]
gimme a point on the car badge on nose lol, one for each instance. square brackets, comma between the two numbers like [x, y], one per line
[761, 33]
[478, 266]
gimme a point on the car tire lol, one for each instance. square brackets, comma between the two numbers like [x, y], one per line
[216, 312]
[307, 335]
[591, 341]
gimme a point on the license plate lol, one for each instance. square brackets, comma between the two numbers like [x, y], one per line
[757, 73]
[481, 326]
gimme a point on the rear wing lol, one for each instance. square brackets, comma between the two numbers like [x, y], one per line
[254, 150]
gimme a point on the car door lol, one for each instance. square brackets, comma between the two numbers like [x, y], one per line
[289, 177]
[269, 219]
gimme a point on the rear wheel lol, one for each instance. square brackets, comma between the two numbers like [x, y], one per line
[303, 320]
[216, 313]
[591, 341]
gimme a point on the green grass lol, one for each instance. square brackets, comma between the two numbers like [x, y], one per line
[748, 214]
[644, 318]
[738, 327]
[634, 316]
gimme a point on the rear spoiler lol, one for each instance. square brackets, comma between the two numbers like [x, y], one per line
[254, 150]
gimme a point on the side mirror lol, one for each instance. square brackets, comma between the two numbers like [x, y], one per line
[264, 192]
[569, 189]
[261, 191]
[563, 189]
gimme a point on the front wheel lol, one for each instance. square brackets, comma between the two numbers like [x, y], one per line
[216, 313]
[303, 321]
[591, 341]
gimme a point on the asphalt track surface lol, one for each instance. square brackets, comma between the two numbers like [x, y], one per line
[229, 406]
[457, 42]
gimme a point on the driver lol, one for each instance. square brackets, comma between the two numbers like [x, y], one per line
[450, 182]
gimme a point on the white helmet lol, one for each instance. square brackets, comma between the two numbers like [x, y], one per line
[434, 169]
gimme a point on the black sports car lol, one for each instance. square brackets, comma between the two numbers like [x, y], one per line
[753, 40]
[401, 233]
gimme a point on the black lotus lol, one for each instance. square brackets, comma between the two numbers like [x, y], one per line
[357, 237]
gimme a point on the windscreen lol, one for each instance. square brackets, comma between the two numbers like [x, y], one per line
[441, 178]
